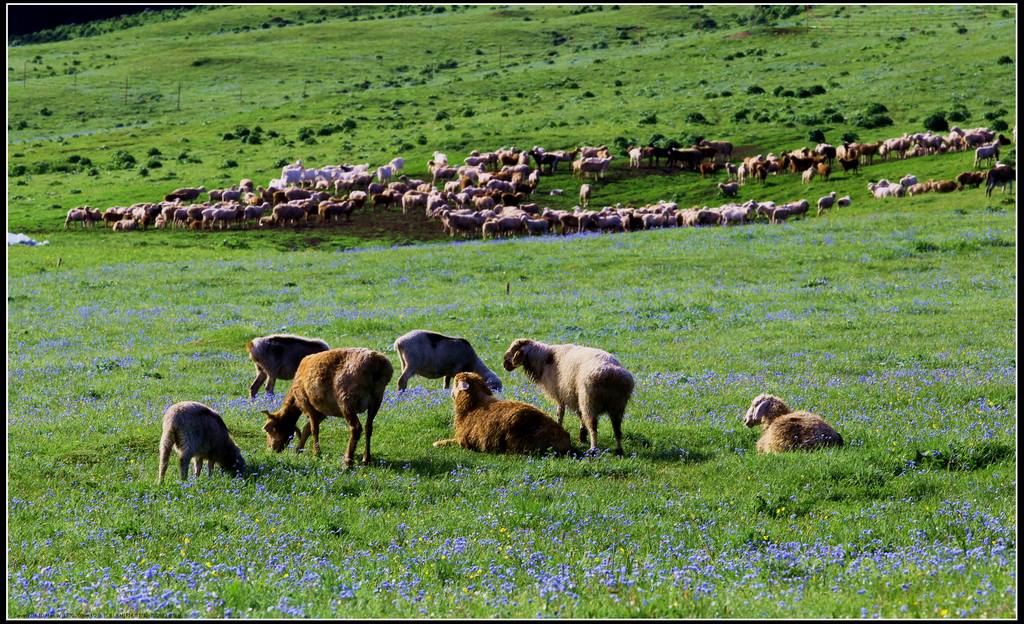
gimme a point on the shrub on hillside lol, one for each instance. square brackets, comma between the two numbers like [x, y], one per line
[936, 122]
[122, 160]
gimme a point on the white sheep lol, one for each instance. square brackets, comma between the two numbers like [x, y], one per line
[588, 381]
[826, 202]
[585, 195]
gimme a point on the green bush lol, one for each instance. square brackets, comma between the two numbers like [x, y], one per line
[122, 160]
[936, 122]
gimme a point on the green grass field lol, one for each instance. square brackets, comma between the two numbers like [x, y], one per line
[895, 320]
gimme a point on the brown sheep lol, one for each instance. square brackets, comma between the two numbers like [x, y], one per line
[786, 430]
[970, 178]
[339, 382]
[196, 431]
[824, 171]
[489, 425]
[848, 164]
[943, 186]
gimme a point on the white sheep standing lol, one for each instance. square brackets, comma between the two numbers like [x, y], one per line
[588, 381]
[585, 195]
[826, 202]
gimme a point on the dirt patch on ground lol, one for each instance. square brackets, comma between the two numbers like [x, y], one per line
[746, 150]
[740, 35]
[791, 30]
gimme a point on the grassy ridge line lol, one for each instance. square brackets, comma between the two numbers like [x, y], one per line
[597, 120]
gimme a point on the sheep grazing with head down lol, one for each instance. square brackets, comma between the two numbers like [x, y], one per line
[277, 356]
[432, 355]
[786, 430]
[588, 381]
[488, 425]
[197, 432]
[339, 382]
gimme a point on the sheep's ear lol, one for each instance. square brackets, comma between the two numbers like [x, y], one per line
[268, 427]
[761, 408]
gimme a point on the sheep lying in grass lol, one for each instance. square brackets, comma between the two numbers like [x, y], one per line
[588, 381]
[277, 356]
[488, 425]
[198, 432]
[339, 382]
[432, 355]
[786, 430]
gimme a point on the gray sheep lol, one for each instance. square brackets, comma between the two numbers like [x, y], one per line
[432, 355]
[196, 431]
[277, 357]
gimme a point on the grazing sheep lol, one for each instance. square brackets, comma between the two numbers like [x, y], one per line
[786, 430]
[196, 431]
[986, 152]
[807, 175]
[826, 202]
[184, 194]
[908, 180]
[432, 355]
[844, 201]
[277, 356]
[917, 189]
[585, 195]
[852, 163]
[488, 425]
[943, 186]
[1001, 176]
[729, 190]
[970, 178]
[85, 214]
[585, 380]
[339, 382]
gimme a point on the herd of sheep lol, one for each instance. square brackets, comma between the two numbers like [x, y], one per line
[490, 194]
[349, 381]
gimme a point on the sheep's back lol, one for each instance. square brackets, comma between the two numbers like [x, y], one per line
[798, 430]
[510, 427]
[197, 428]
[342, 377]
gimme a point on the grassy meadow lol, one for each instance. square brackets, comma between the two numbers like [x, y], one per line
[895, 320]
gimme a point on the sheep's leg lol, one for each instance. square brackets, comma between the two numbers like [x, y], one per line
[407, 373]
[371, 412]
[447, 381]
[186, 459]
[616, 417]
[354, 431]
[561, 413]
[199, 466]
[314, 425]
[303, 436]
[270, 383]
[209, 467]
[588, 424]
[254, 387]
[166, 443]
